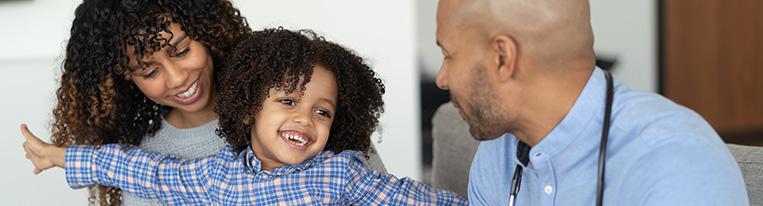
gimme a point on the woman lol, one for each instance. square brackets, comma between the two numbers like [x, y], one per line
[142, 72]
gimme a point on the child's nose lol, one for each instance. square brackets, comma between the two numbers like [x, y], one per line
[304, 117]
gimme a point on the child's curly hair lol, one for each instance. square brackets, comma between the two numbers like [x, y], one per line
[96, 103]
[279, 58]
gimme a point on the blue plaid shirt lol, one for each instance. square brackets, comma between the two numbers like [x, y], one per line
[229, 179]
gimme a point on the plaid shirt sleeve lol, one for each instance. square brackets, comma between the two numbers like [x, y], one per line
[369, 187]
[148, 175]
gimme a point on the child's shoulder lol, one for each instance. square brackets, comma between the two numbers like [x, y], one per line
[349, 158]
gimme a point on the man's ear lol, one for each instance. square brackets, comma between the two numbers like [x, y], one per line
[506, 59]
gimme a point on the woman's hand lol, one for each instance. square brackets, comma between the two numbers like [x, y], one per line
[42, 155]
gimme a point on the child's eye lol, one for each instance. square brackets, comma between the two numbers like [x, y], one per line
[287, 102]
[323, 112]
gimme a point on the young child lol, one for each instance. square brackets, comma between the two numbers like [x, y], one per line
[298, 113]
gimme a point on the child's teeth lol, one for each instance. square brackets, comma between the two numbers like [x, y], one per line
[301, 140]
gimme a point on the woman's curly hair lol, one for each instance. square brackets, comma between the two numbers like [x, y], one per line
[279, 58]
[97, 104]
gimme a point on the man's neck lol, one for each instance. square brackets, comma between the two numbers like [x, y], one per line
[548, 103]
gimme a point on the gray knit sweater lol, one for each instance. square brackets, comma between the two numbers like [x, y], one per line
[190, 143]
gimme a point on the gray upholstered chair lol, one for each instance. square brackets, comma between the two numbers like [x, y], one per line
[454, 149]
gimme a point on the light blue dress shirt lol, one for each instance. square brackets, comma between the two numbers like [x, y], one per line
[659, 153]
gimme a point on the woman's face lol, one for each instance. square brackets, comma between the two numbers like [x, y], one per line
[181, 79]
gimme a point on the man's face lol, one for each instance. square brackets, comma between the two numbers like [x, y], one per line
[464, 75]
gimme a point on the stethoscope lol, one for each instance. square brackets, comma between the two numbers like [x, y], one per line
[523, 149]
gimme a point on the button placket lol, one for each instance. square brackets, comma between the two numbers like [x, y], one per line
[546, 178]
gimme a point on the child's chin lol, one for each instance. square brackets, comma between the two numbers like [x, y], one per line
[295, 160]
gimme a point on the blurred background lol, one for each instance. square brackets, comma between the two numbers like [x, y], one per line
[707, 55]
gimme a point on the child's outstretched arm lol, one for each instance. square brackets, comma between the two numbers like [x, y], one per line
[369, 187]
[148, 175]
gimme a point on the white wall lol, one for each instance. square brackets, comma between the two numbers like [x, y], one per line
[34, 29]
[427, 52]
[623, 29]
[31, 41]
[33, 38]
[627, 30]
[28, 95]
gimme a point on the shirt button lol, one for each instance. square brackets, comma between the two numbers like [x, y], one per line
[548, 189]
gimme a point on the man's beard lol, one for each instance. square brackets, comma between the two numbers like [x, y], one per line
[485, 118]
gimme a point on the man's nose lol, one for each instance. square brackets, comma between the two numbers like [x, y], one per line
[442, 79]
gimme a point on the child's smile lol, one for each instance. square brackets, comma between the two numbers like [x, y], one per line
[294, 127]
[299, 140]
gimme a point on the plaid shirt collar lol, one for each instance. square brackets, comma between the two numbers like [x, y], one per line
[254, 165]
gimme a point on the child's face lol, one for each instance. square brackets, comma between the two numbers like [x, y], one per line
[292, 128]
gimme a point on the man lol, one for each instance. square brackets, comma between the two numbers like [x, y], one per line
[523, 71]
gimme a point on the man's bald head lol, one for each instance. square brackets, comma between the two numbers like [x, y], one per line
[549, 33]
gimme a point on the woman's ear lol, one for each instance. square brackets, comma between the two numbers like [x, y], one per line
[506, 59]
[247, 120]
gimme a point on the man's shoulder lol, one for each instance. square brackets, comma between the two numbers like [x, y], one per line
[655, 117]
[666, 149]
[682, 166]
[646, 105]
[667, 142]
[654, 126]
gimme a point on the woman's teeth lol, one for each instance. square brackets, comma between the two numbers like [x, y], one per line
[190, 91]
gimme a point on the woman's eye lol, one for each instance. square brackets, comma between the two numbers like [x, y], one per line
[183, 53]
[150, 74]
[288, 102]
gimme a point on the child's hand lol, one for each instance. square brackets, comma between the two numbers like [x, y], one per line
[42, 155]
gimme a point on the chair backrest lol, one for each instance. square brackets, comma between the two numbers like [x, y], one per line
[750, 160]
[454, 148]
